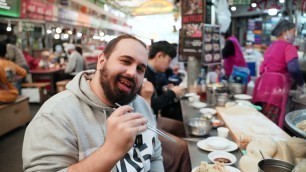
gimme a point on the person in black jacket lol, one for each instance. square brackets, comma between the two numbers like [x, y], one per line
[163, 100]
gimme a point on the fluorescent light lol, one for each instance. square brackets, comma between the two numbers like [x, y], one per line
[272, 11]
[233, 8]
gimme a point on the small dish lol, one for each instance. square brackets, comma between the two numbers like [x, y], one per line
[198, 105]
[208, 111]
[229, 168]
[218, 143]
[204, 146]
[222, 157]
[242, 97]
[190, 94]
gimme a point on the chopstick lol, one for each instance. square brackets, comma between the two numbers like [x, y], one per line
[156, 130]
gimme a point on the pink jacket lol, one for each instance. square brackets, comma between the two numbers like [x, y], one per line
[236, 60]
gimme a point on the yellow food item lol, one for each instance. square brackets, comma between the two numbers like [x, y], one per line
[218, 167]
[301, 125]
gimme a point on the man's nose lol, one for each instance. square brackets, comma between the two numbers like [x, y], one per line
[131, 71]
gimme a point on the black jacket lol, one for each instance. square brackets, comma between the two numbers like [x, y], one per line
[163, 101]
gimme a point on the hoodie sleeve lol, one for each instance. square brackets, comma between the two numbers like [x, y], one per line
[49, 145]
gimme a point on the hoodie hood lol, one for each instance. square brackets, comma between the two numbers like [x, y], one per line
[80, 87]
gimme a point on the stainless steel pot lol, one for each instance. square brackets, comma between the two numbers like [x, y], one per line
[274, 165]
[199, 126]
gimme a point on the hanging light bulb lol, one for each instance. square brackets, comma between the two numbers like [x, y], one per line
[254, 5]
[281, 1]
[233, 8]
[9, 27]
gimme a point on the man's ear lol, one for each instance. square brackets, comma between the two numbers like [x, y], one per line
[101, 60]
[159, 55]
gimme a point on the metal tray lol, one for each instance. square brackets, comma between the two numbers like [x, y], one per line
[294, 117]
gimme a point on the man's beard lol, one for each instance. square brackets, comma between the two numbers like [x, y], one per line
[111, 92]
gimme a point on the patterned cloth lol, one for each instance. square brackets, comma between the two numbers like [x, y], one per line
[14, 54]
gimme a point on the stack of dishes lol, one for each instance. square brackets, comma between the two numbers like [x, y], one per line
[217, 144]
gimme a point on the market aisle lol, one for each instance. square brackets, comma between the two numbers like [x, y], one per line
[11, 147]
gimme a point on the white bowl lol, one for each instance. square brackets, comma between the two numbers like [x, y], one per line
[218, 143]
[208, 111]
[215, 155]
[242, 97]
[190, 94]
[199, 105]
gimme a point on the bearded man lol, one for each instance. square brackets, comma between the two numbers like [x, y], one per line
[82, 129]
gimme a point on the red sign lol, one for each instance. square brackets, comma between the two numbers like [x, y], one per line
[36, 9]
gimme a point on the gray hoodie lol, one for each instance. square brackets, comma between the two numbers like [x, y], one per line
[71, 125]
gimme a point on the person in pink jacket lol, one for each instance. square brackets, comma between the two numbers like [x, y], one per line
[232, 54]
[279, 68]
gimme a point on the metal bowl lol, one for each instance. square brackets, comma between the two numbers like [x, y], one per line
[293, 118]
[199, 126]
[274, 165]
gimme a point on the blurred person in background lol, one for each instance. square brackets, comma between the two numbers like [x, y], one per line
[83, 129]
[232, 54]
[279, 67]
[9, 72]
[14, 54]
[76, 62]
[160, 55]
[175, 156]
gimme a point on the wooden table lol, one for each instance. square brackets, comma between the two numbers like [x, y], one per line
[196, 154]
[50, 74]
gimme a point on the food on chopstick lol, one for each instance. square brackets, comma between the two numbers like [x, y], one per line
[218, 167]
[301, 125]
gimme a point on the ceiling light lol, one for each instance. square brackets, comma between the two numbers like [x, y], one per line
[9, 28]
[254, 5]
[281, 1]
[272, 11]
[233, 8]
[57, 36]
[69, 32]
[58, 30]
[79, 34]
[49, 31]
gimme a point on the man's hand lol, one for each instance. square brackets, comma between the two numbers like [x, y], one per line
[122, 128]
[147, 90]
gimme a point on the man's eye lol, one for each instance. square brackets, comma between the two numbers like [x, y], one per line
[141, 69]
[125, 61]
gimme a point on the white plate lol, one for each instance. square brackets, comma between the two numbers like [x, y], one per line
[198, 105]
[190, 94]
[222, 154]
[208, 111]
[230, 168]
[203, 145]
[218, 143]
[243, 97]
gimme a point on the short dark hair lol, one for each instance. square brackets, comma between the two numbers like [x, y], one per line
[162, 46]
[2, 49]
[109, 48]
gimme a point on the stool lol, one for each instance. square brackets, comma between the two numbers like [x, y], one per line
[61, 85]
[36, 91]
